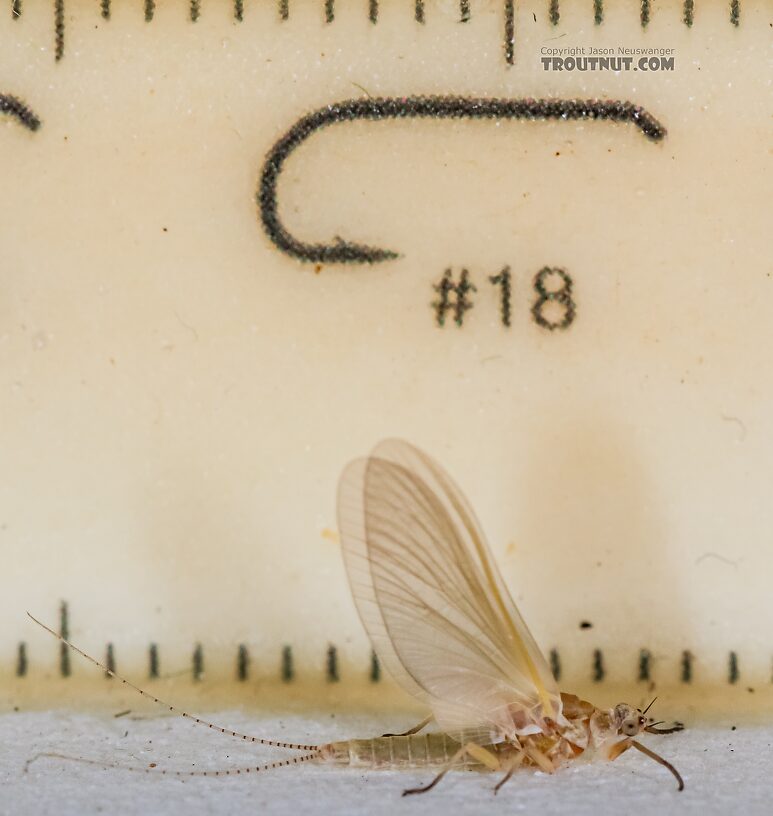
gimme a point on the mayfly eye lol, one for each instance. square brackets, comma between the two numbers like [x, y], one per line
[630, 728]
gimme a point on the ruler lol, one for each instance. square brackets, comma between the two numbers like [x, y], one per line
[327, 12]
[243, 241]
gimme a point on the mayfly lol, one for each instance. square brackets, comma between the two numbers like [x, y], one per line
[442, 621]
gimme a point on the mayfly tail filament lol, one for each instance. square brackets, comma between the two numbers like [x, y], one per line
[246, 737]
[152, 768]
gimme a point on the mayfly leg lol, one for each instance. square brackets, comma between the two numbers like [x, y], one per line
[621, 747]
[415, 730]
[541, 760]
[246, 737]
[537, 757]
[472, 749]
[651, 729]
[511, 766]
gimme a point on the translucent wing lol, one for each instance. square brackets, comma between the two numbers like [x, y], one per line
[432, 600]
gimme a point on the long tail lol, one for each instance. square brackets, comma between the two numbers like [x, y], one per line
[246, 737]
[152, 768]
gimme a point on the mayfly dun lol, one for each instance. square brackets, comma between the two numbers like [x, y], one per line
[442, 621]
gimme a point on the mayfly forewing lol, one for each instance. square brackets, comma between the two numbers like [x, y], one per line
[476, 549]
[431, 598]
[352, 526]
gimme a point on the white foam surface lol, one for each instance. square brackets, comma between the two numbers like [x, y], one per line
[724, 770]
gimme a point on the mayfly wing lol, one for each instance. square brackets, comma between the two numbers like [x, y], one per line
[438, 613]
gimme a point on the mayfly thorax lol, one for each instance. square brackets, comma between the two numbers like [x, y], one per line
[442, 621]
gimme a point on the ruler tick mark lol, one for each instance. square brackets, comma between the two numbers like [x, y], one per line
[375, 668]
[153, 667]
[242, 662]
[150, 10]
[373, 11]
[288, 670]
[510, 31]
[59, 29]
[598, 11]
[464, 11]
[195, 10]
[105, 9]
[22, 664]
[329, 11]
[644, 14]
[689, 13]
[645, 661]
[110, 660]
[735, 12]
[239, 10]
[598, 666]
[64, 631]
[733, 673]
[16, 9]
[555, 664]
[554, 13]
[332, 665]
[687, 666]
[198, 662]
[419, 11]
[284, 9]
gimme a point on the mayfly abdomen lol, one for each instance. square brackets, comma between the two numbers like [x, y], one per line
[412, 751]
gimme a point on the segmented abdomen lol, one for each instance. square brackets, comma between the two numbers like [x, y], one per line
[402, 752]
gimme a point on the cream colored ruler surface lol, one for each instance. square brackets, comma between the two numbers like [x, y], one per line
[200, 324]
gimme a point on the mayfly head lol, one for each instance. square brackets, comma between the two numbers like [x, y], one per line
[629, 720]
